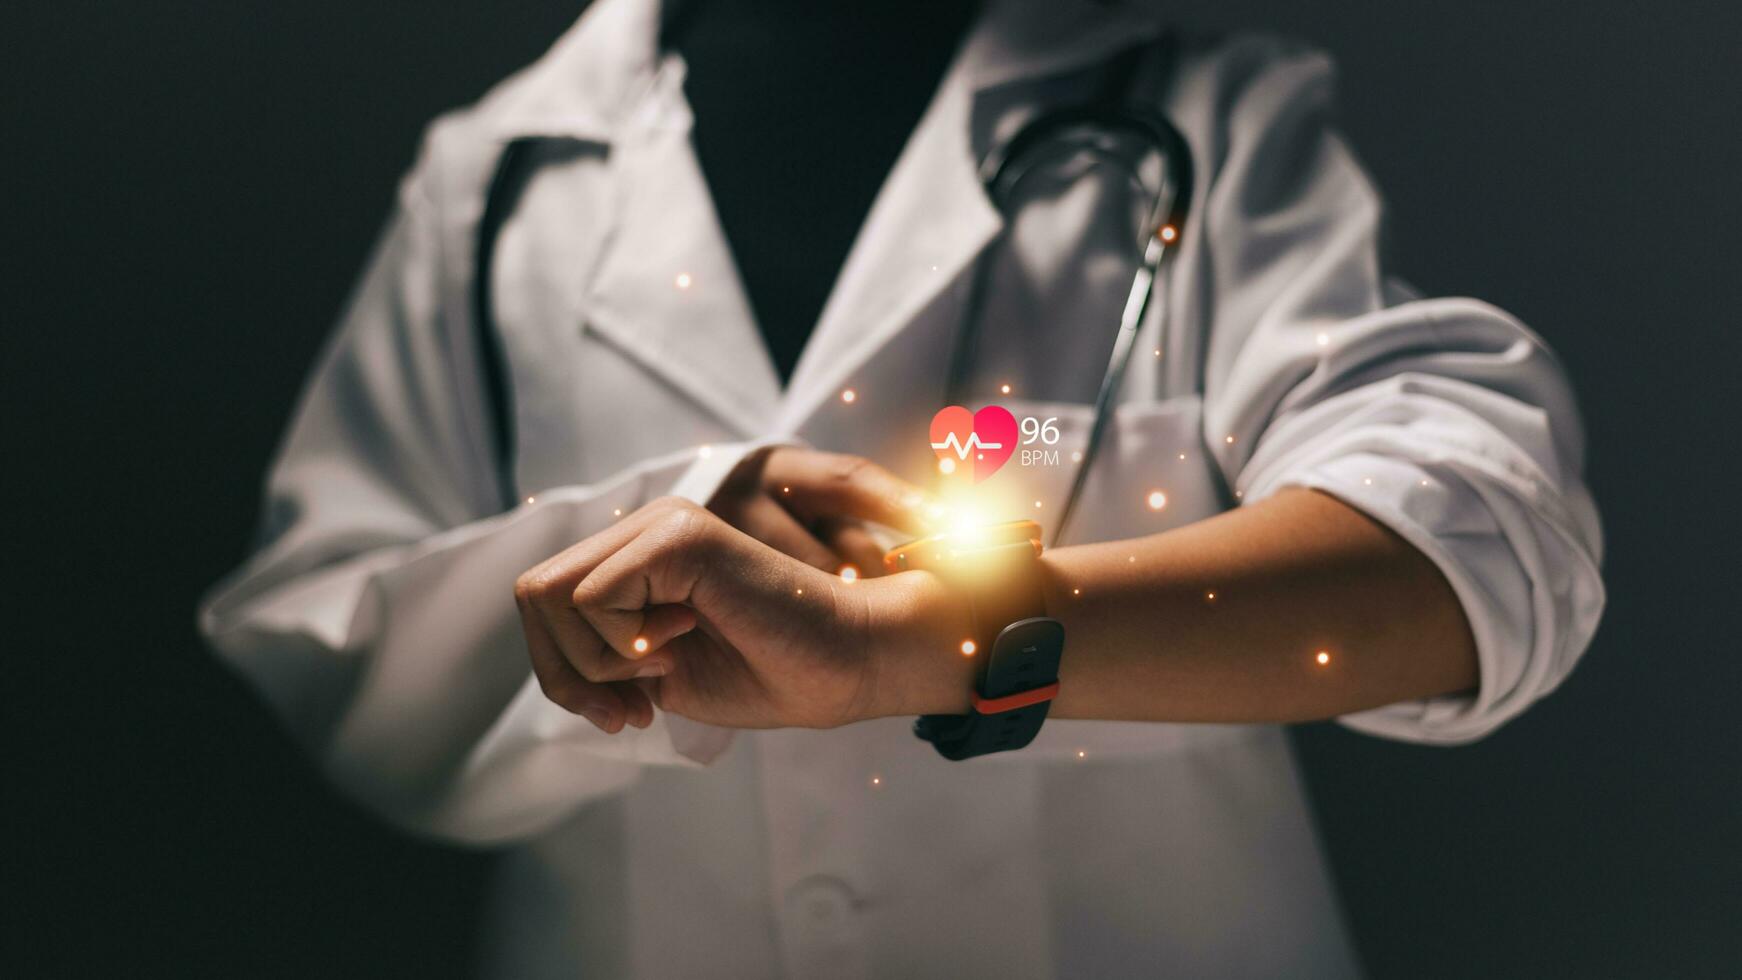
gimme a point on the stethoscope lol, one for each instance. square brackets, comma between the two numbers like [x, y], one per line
[1095, 129]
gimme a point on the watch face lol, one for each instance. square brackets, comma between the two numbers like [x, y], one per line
[927, 552]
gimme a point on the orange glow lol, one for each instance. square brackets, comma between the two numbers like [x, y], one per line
[849, 396]
[1005, 389]
[968, 648]
[849, 574]
[1168, 233]
[641, 644]
[1209, 597]
[1323, 658]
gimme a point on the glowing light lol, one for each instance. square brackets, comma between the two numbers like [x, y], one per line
[640, 644]
[946, 466]
[617, 512]
[979, 455]
[529, 500]
[683, 280]
[1323, 338]
[849, 574]
[968, 648]
[1004, 389]
[785, 489]
[1367, 480]
[1076, 592]
[1156, 500]
[1131, 559]
[1182, 455]
[1037, 505]
[1168, 233]
[1076, 456]
[849, 396]
[877, 780]
[1209, 597]
[705, 452]
[801, 592]
[1323, 657]
[1424, 483]
[1238, 494]
[1228, 439]
[1081, 754]
[1158, 352]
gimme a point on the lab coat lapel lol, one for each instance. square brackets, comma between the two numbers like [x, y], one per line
[667, 292]
[928, 223]
[933, 218]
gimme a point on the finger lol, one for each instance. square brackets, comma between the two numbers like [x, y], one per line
[565, 687]
[855, 545]
[634, 590]
[773, 525]
[636, 701]
[549, 590]
[832, 485]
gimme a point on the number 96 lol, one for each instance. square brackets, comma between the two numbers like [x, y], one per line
[1033, 428]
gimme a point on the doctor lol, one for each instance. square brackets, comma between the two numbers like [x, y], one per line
[1413, 550]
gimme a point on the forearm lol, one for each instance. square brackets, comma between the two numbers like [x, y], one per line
[1296, 608]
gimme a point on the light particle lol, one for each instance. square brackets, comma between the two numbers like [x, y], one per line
[946, 466]
[968, 648]
[640, 644]
[849, 574]
[1156, 500]
[683, 280]
[1323, 657]
[1004, 389]
[849, 396]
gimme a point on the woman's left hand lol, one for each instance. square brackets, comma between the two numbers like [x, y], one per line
[674, 606]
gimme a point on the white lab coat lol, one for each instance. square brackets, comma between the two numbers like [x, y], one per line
[377, 616]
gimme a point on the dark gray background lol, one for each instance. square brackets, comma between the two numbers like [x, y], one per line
[192, 187]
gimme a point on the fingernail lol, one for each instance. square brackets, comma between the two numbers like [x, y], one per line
[599, 717]
[651, 670]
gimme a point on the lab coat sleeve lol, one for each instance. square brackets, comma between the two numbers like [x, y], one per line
[1445, 419]
[377, 616]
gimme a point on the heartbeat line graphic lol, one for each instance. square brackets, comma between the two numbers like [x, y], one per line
[955, 445]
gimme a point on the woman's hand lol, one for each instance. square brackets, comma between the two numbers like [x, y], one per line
[812, 506]
[674, 607]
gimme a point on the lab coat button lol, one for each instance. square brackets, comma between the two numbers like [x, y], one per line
[823, 901]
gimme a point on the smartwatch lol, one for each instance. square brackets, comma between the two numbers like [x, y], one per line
[1015, 646]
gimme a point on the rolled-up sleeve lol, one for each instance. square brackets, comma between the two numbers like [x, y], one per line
[1447, 420]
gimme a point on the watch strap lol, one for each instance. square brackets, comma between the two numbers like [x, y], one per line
[1017, 649]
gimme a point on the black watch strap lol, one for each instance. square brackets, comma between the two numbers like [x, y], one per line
[1017, 649]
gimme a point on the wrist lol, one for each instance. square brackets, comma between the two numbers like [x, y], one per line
[918, 625]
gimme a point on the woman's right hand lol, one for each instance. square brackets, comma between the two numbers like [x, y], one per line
[813, 506]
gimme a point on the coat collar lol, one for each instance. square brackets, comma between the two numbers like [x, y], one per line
[606, 82]
[584, 86]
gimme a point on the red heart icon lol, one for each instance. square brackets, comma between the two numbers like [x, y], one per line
[988, 437]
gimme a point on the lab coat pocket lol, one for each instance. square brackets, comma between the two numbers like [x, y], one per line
[1151, 473]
